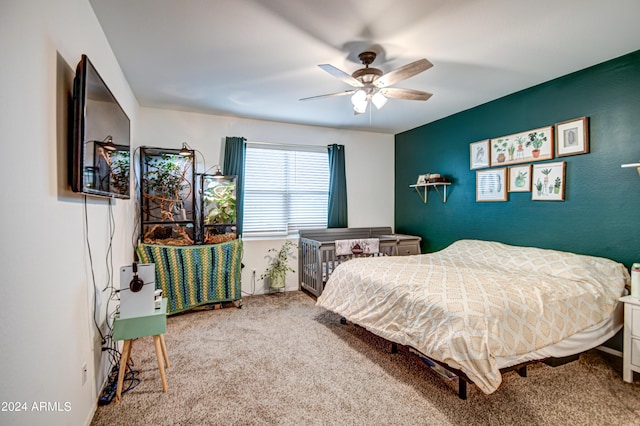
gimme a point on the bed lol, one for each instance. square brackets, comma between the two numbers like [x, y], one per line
[481, 307]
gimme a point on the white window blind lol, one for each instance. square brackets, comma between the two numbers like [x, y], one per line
[286, 188]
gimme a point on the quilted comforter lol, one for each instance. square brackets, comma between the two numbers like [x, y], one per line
[476, 300]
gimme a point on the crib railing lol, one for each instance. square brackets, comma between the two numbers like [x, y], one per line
[317, 257]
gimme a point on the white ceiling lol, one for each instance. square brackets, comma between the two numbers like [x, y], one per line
[257, 58]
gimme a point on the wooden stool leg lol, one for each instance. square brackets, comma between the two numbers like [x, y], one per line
[164, 351]
[156, 341]
[124, 359]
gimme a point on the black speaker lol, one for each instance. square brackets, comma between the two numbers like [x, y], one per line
[136, 283]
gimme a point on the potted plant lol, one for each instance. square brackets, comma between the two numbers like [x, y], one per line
[278, 267]
[539, 186]
[536, 140]
[501, 147]
[521, 178]
[546, 172]
[512, 150]
[556, 185]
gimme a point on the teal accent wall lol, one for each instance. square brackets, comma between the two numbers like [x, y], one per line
[601, 212]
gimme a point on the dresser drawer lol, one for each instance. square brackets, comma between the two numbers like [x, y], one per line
[408, 248]
[406, 245]
[631, 344]
[635, 352]
[635, 320]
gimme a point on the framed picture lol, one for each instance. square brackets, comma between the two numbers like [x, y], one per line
[520, 178]
[548, 181]
[422, 179]
[572, 137]
[491, 185]
[523, 147]
[479, 154]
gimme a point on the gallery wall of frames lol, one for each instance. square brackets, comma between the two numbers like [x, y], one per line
[520, 162]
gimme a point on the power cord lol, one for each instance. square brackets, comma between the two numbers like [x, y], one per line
[135, 236]
[131, 380]
[109, 346]
[253, 284]
[93, 275]
[109, 255]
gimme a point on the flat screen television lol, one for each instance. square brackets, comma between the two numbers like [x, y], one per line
[100, 145]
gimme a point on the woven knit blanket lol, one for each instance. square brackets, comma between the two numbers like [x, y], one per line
[195, 275]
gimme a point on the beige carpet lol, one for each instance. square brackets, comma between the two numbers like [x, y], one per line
[280, 360]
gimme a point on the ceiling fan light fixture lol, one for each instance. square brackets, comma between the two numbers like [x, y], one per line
[371, 85]
[379, 100]
[360, 107]
[359, 98]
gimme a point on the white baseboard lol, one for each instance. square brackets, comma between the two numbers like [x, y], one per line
[89, 419]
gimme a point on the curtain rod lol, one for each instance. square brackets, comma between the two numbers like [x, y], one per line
[293, 145]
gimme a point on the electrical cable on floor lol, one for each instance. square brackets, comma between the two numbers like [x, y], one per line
[253, 279]
[253, 285]
[131, 380]
[130, 376]
[108, 344]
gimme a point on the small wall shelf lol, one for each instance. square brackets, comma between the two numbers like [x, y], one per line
[423, 190]
[636, 165]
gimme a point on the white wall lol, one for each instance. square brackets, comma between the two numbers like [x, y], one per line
[46, 292]
[369, 166]
[46, 287]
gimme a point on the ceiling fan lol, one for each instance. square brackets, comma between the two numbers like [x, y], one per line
[372, 85]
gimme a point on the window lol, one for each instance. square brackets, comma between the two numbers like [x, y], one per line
[285, 189]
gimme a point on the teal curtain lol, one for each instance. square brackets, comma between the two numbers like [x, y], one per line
[337, 212]
[234, 154]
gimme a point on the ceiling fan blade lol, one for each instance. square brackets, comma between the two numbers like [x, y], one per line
[410, 94]
[341, 75]
[403, 73]
[346, 92]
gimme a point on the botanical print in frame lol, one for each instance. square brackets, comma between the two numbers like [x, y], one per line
[549, 181]
[479, 154]
[520, 178]
[491, 185]
[524, 147]
[572, 137]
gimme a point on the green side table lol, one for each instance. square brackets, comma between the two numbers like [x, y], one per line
[132, 328]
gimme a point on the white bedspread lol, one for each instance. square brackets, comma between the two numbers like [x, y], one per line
[476, 300]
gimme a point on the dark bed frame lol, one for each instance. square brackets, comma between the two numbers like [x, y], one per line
[463, 379]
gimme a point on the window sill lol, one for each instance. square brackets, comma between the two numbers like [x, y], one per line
[272, 237]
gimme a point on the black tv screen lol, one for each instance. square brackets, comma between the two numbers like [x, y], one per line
[100, 143]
